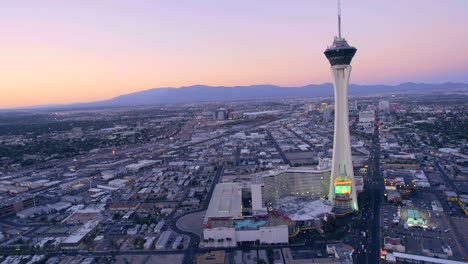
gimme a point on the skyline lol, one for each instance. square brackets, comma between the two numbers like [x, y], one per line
[100, 51]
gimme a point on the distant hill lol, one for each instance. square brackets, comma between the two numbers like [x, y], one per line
[203, 93]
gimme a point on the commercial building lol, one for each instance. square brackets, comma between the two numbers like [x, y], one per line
[337, 254]
[414, 217]
[290, 181]
[410, 258]
[225, 202]
[220, 114]
[218, 234]
[367, 116]
[229, 220]
[394, 244]
[436, 248]
[328, 113]
[384, 105]
[463, 202]
[269, 207]
[34, 211]
[393, 196]
[141, 165]
[451, 196]
[74, 240]
[300, 194]
[16, 204]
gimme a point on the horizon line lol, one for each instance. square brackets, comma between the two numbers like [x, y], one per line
[217, 86]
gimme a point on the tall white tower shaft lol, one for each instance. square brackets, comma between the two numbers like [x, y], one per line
[342, 164]
[342, 194]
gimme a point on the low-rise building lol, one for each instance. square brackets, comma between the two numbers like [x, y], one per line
[163, 239]
[451, 196]
[74, 240]
[394, 244]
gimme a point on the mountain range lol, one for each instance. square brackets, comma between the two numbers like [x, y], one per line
[205, 93]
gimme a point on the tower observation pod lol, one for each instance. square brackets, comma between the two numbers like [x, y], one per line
[342, 193]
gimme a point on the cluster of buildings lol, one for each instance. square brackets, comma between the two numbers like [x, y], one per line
[423, 217]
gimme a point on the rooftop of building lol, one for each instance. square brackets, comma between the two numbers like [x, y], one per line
[257, 178]
[226, 201]
[393, 241]
[423, 259]
[250, 223]
[302, 208]
[79, 234]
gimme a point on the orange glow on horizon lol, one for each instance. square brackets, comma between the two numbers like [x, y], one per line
[64, 52]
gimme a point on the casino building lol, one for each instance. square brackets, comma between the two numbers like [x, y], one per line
[268, 207]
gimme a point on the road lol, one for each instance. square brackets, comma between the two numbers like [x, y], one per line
[458, 235]
[377, 194]
[446, 178]
[369, 206]
[194, 239]
[280, 151]
[303, 139]
[237, 157]
[315, 246]
[365, 216]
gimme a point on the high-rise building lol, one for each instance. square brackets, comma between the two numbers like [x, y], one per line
[327, 113]
[353, 105]
[384, 105]
[309, 108]
[367, 116]
[220, 114]
[323, 105]
[342, 193]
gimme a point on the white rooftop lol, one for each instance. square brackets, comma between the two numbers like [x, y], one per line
[302, 208]
[226, 201]
[79, 234]
[424, 258]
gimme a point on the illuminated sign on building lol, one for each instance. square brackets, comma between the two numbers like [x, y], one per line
[343, 189]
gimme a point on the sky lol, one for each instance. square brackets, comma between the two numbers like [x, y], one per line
[79, 51]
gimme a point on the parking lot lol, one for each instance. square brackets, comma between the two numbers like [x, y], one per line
[414, 237]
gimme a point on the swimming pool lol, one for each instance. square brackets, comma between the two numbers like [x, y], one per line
[249, 224]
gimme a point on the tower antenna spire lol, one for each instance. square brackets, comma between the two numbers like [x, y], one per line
[339, 19]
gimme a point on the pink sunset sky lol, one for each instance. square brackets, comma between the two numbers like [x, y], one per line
[78, 51]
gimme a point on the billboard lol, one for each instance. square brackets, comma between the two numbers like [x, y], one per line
[343, 189]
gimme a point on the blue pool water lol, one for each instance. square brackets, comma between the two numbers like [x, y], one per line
[248, 223]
